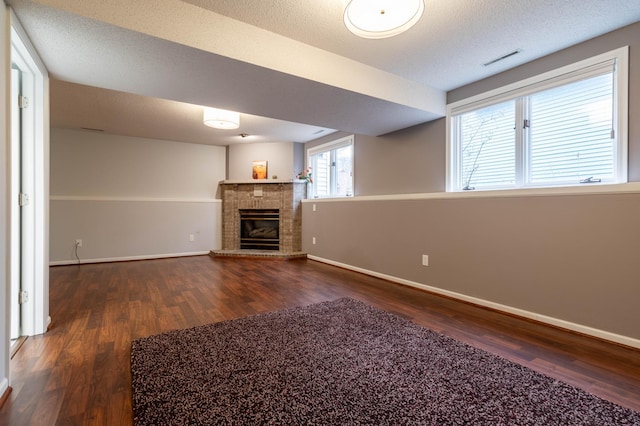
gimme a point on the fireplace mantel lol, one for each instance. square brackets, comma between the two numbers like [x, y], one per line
[261, 181]
[283, 195]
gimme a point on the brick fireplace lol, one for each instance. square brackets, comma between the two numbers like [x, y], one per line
[283, 197]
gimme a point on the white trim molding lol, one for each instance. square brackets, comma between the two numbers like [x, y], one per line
[34, 168]
[620, 188]
[578, 328]
[133, 199]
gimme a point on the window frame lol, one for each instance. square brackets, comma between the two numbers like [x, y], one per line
[332, 147]
[554, 78]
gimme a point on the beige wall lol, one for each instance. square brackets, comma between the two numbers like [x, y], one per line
[571, 258]
[129, 198]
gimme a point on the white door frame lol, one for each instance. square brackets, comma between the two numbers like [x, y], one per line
[14, 190]
[35, 180]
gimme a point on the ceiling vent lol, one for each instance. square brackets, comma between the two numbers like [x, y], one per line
[503, 57]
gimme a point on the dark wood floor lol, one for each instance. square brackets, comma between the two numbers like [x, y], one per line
[79, 372]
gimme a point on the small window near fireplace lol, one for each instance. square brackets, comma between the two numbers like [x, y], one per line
[259, 229]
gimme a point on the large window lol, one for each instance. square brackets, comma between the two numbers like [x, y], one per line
[332, 169]
[564, 128]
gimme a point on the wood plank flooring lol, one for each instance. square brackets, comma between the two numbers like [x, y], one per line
[79, 372]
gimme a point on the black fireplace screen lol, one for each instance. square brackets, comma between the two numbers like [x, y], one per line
[260, 229]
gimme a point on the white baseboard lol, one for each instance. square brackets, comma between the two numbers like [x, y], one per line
[579, 328]
[127, 258]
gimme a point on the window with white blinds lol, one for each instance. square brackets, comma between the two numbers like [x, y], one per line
[332, 169]
[560, 129]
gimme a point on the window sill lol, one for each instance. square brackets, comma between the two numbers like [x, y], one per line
[620, 188]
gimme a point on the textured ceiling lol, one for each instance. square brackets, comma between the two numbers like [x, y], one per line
[447, 47]
[288, 60]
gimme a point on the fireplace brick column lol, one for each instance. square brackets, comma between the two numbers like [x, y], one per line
[284, 196]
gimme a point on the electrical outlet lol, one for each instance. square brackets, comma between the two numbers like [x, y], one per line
[78, 243]
[425, 260]
[192, 237]
[313, 240]
[314, 207]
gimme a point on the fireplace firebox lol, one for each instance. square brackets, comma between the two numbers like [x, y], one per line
[259, 229]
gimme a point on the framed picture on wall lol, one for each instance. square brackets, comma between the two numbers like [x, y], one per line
[259, 169]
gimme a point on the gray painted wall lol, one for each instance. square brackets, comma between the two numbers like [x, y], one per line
[130, 198]
[123, 230]
[571, 257]
[85, 163]
[280, 157]
[405, 162]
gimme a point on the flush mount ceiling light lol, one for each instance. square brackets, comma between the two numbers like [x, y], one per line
[381, 18]
[221, 118]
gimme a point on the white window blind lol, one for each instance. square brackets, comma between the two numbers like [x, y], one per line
[487, 146]
[343, 171]
[571, 132]
[321, 166]
[332, 169]
[565, 129]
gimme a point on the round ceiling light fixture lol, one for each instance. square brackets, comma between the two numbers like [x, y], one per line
[221, 118]
[381, 18]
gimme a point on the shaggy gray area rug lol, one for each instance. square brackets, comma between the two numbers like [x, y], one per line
[344, 363]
